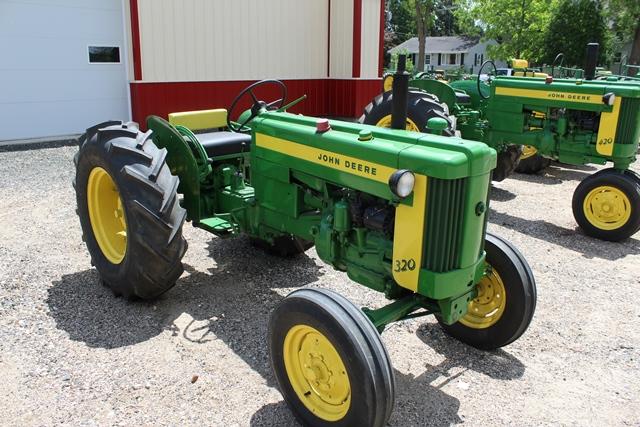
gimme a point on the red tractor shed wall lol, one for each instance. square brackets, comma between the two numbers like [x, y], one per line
[330, 94]
[325, 97]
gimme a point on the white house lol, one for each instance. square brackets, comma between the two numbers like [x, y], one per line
[449, 52]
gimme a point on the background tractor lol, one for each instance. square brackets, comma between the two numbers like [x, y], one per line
[402, 213]
[530, 121]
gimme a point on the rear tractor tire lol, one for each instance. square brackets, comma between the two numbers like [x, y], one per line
[283, 246]
[531, 162]
[129, 212]
[329, 361]
[506, 300]
[422, 107]
[606, 205]
[507, 162]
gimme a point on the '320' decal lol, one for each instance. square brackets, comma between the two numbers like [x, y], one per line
[404, 265]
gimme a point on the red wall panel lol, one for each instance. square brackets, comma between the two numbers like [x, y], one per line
[325, 97]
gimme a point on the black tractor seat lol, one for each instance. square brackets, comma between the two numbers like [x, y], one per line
[223, 143]
[463, 98]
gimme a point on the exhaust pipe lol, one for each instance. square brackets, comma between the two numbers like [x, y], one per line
[400, 93]
[591, 61]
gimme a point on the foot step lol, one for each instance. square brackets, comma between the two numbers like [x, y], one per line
[216, 225]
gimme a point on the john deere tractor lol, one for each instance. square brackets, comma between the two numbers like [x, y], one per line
[402, 213]
[530, 121]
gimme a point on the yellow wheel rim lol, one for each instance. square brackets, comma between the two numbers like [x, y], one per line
[387, 83]
[528, 151]
[316, 373]
[488, 306]
[607, 208]
[106, 214]
[385, 122]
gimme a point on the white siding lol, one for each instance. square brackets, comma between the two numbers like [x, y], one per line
[480, 49]
[202, 40]
[48, 86]
[341, 39]
[370, 51]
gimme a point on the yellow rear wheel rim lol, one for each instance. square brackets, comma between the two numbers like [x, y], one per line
[528, 151]
[385, 122]
[106, 214]
[387, 83]
[488, 306]
[316, 373]
[607, 207]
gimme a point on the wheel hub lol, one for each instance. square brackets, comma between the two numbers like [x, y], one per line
[488, 306]
[528, 151]
[316, 373]
[385, 122]
[607, 207]
[106, 214]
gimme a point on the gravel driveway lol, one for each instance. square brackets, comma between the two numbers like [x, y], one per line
[72, 353]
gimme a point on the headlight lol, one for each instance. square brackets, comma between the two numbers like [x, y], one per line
[401, 183]
[609, 98]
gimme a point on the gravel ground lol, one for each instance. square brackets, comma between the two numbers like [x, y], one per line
[72, 353]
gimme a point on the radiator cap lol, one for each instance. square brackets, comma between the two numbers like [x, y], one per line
[322, 125]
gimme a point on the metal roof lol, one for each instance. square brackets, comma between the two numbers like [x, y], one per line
[438, 44]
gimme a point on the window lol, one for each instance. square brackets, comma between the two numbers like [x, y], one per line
[104, 55]
[427, 59]
[452, 59]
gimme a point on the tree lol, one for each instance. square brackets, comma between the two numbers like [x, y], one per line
[517, 25]
[625, 15]
[403, 21]
[424, 22]
[574, 23]
[445, 23]
[420, 18]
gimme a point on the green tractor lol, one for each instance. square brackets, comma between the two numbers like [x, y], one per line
[530, 121]
[402, 213]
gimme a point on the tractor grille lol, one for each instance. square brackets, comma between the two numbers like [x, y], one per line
[628, 121]
[443, 232]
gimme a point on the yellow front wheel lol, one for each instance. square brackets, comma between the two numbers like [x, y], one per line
[505, 300]
[317, 373]
[329, 361]
[606, 205]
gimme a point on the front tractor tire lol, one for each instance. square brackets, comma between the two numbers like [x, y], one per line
[329, 361]
[129, 212]
[505, 303]
[606, 205]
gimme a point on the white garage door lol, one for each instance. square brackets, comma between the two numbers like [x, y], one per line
[50, 85]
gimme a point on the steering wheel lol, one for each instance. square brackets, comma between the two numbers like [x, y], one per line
[495, 70]
[257, 104]
[557, 62]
